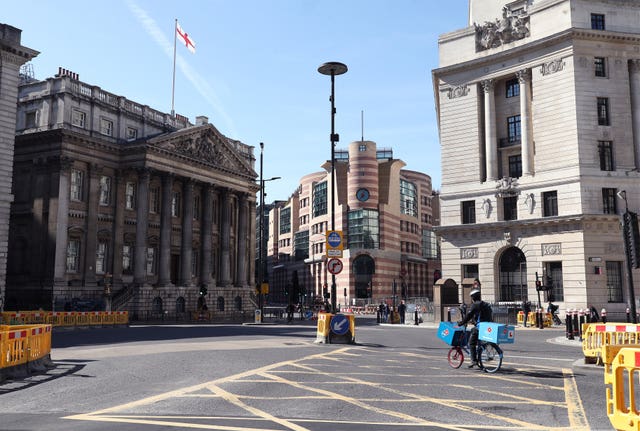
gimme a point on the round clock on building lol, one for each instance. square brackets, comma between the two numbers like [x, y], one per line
[362, 195]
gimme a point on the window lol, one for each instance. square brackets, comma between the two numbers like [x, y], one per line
[78, 118]
[429, 244]
[132, 133]
[408, 198]
[470, 271]
[515, 166]
[362, 147]
[597, 21]
[513, 88]
[603, 111]
[154, 200]
[196, 207]
[554, 270]
[127, 258]
[301, 245]
[106, 127]
[152, 263]
[175, 204]
[468, 212]
[73, 255]
[77, 178]
[550, 204]
[285, 220]
[510, 205]
[130, 195]
[614, 281]
[609, 201]
[605, 151]
[513, 128]
[30, 120]
[101, 257]
[319, 199]
[194, 262]
[363, 229]
[105, 190]
[600, 67]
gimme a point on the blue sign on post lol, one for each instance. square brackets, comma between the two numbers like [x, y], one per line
[334, 239]
[339, 324]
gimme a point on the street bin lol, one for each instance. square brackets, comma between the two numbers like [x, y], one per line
[258, 316]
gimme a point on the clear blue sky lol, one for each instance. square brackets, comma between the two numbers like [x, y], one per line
[254, 73]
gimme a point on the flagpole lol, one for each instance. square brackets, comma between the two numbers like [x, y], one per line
[173, 85]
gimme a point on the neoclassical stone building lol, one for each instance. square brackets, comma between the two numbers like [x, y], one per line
[538, 104]
[386, 215]
[12, 56]
[120, 204]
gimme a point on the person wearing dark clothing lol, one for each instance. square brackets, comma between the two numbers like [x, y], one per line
[479, 311]
[402, 308]
[593, 315]
[526, 309]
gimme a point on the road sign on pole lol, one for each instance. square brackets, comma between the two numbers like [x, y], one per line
[334, 243]
[334, 266]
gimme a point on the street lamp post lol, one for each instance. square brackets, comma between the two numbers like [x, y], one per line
[629, 219]
[262, 261]
[332, 69]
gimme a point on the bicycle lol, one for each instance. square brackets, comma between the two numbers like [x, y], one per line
[490, 355]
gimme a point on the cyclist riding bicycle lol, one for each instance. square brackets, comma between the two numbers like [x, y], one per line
[479, 311]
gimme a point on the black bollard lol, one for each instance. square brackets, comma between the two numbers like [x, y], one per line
[628, 315]
[576, 328]
[415, 316]
[603, 315]
[569, 322]
[581, 321]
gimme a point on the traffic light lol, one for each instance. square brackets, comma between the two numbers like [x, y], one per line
[538, 285]
[632, 238]
[203, 290]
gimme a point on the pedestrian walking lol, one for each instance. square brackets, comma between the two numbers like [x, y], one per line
[402, 309]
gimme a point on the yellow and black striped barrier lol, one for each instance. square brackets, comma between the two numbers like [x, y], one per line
[65, 318]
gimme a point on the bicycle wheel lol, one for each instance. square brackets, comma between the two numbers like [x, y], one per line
[455, 357]
[490, 357]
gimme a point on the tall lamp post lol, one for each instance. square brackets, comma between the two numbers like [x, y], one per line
[262, 261]
[332, 69]
[631, 242]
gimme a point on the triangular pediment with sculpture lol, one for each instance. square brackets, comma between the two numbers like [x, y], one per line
[205, 144]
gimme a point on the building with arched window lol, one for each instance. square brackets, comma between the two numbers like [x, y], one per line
[117, 204]
[386, 215]
[538, 105]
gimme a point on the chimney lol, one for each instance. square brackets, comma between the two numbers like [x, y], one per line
[201, 120]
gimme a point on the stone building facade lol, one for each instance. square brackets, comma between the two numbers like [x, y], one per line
[538, 105]
[12, 56]
[386, 217]
[122, 205]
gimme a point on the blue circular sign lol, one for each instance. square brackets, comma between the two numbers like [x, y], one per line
[339, 324]
[334, 239]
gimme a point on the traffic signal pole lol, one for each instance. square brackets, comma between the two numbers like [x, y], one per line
[629, 231]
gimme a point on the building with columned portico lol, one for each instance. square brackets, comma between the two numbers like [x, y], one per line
[538, 105]
[121, 206]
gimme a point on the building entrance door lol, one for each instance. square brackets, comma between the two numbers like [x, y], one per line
[513, 276]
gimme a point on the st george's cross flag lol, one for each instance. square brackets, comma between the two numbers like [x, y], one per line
[185, 39]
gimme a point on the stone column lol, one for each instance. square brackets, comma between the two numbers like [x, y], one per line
[91, 226]
[206, 231]
[225, 239]
[164, 271]
[252, 244]
[241, 259]
[634, 84]
[118, 227]
[524, 79]
[187, 233]
[491, 142]
[59, 224]
[142, 225]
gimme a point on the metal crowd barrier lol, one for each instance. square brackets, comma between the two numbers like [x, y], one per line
[621, 376]
[597, 335]
[65, 318]
[24, 348]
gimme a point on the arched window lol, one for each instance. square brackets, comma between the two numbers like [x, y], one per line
[180, 307]
[513, 275]
[156, 305]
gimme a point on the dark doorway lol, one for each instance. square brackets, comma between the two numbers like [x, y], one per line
[363, 269]
[513, 275]
[175, 268]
